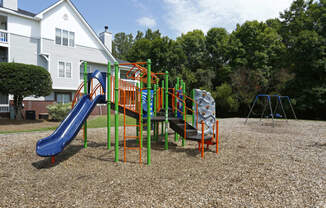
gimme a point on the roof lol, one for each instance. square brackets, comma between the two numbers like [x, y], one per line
[27, 13]
[21, 11]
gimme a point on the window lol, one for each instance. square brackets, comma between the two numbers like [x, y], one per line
[3, 22]
[71, 39]
[64, 37]
[82, 70]
[123, 74]
[68, 70]
[58, 36]
[4, 99]
[61, 69]
[63, 97]
[4, 103]
[65, 69]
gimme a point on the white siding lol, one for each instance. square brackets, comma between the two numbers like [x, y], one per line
[55, 18]
[22, 26]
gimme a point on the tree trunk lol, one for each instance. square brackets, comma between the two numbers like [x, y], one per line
[18, 101]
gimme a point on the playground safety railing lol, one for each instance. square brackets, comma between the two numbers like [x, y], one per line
[181, 112]
[138, 72]
[184, 102]
[77, 94]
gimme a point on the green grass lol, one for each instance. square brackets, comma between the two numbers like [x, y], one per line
[100, 121]
[28, 130]
[97, 122]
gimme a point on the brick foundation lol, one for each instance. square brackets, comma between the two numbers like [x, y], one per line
[37, 106]
[5, 115]
[40, 107]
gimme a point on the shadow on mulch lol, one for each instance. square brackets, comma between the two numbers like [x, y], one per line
[106, 157]
[159, 145]
[318, 144]
[65, 155]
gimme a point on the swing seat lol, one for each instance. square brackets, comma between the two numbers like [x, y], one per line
[277, 115]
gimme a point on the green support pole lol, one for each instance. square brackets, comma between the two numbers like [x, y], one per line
[166, 109]
[193, 107]
[141, 115]
[154, 111]
[85, 93]
[176, 136]
[184, 107]
[108, 116]
[162, 130]
[116, 111]
[149, 111]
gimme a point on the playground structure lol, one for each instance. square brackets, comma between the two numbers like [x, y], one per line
[273, 113]
[166, 107]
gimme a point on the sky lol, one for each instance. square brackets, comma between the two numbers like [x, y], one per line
[171, 17]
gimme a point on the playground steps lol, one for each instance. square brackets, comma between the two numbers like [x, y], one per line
[129, 112]
[177, 124]
[191, 132]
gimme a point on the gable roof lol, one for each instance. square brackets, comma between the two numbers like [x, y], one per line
[83, 20]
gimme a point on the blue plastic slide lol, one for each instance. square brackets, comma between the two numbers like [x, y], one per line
[68, 129]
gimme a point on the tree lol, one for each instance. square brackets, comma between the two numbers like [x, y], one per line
[121, 45]
[158, 49]
[256, 54]
[139, 35]
[140, 51]
[217, 40]
[150, 35]
[304, 33]
[194, 49]
[22, 80]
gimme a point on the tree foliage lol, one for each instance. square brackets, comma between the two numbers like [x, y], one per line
[304, 33]
[121, 45]
[22, 80]
[285, 55]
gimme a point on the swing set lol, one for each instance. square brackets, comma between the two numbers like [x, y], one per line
[267, 99]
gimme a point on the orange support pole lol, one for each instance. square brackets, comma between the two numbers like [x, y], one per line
[52, 160]
[216, 135]
[124, 133]
[130, 98]
[202, 138]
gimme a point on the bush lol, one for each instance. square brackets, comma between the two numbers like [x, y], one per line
[58, 111]
[22, 80]
[225, 101]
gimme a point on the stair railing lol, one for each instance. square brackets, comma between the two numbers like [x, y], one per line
[184, 113]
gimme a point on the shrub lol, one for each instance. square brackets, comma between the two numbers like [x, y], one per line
[225, 101]
[58, 111]
[22, 80]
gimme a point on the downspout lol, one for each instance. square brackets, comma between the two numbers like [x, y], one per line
[45, 56]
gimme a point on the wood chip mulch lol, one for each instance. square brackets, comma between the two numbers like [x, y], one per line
[257, 166]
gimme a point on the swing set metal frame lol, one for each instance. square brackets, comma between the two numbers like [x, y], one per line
[269, 103]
